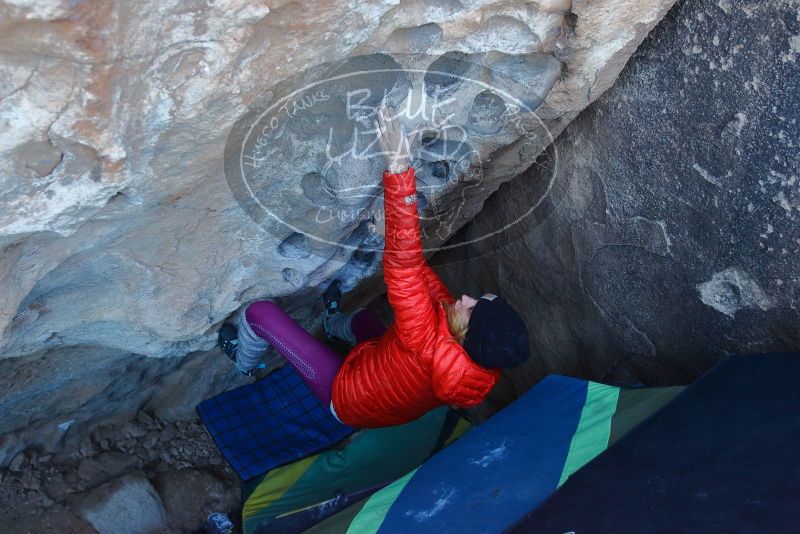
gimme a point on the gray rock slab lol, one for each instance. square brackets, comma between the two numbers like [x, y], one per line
[128, 505]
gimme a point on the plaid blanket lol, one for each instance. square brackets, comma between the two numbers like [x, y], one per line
[272, 422]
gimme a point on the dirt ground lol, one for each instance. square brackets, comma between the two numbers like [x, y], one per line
[48, 492]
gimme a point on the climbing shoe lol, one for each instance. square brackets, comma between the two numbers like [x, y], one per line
[332, 299]
[228, 341]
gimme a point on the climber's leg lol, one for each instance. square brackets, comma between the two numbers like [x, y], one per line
[315, 362]
[242, 346]
[354, 327]
[251, 347]
[365, 324]
[338, 325]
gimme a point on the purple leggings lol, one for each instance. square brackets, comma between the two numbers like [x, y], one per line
[316, 363]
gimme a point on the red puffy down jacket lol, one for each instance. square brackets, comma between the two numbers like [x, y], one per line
[416, 365]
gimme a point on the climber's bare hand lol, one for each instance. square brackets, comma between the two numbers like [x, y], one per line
[394, 141]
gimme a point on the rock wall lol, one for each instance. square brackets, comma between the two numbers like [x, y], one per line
[667, 234]
[121, 239]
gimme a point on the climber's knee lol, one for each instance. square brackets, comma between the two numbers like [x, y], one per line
[262, 309]
[263, 312]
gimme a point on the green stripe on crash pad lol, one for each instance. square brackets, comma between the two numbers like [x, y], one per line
[371, 517]
[636, 404]
[281, 480]
[339, 522]
[594, 428]
[374, 457]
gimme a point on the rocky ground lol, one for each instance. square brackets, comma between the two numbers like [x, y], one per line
[147, 475]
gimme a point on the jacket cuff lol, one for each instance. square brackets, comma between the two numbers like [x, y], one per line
[402, 183]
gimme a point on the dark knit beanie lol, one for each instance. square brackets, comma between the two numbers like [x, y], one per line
[497, 336]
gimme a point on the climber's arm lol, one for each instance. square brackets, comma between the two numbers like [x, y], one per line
[404, 266]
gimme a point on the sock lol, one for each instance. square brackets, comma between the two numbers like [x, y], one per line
[252, 347]
[338, 325]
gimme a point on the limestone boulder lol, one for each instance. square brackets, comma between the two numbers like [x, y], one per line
[123, 239]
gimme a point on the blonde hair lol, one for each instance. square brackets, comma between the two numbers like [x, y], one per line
[457, 322]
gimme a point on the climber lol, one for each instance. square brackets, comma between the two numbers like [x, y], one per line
[438, 351]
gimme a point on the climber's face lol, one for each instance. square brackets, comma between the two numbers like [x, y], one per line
[465, 305]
